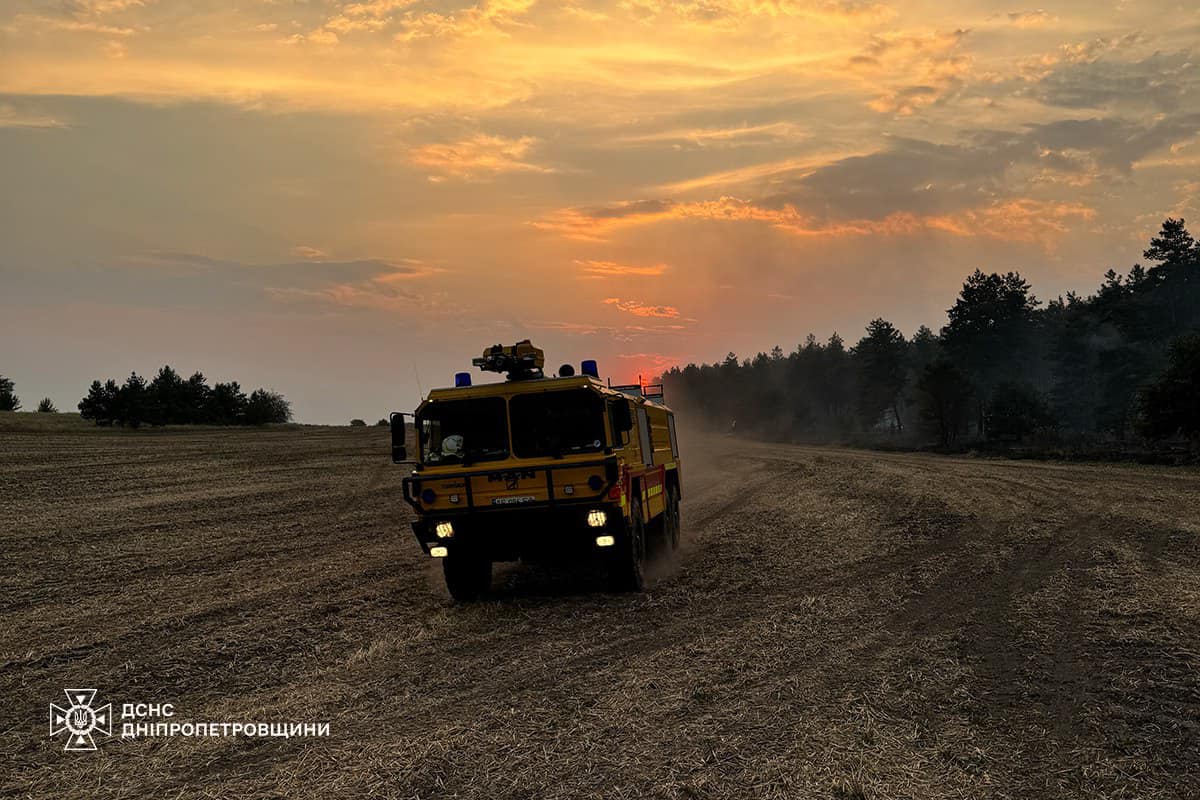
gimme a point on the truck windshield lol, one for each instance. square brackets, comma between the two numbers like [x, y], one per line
[463, 431]
[557, 423]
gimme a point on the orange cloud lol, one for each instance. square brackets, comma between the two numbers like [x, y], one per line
[373, 13]
[384, 290]
[347, 296]
[304, 251]
[639, 309]
[578, 328]
[723, 137]
[929, 64]
[489, 16]
[79, 24]
[771, 171]
[722, 12]
[12, 117]
[1030, 19]
[1016, 220]
[320, 36]
[479, 154]
[611, 269]
[101, 7]
[1026, 220]
[594, 224]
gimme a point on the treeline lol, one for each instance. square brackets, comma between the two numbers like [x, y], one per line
[168, 399]
[1121, 363]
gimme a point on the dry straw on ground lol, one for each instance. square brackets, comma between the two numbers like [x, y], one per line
[839, 624]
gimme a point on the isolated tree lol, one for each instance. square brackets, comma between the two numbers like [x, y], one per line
[8, 400]
[1171, 405]
[383, 423]
[944, 397]
[46, 406]
[882, 370]
[358, 423]
[1173, 245]
[266, 407]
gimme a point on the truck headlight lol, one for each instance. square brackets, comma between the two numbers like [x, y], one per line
[597, 518]
[444, 530]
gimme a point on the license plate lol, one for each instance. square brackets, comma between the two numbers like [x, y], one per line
[508, 501]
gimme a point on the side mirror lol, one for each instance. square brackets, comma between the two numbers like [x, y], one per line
[622, 417]
[399, 438]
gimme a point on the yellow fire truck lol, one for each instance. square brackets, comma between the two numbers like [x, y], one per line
[540, 468]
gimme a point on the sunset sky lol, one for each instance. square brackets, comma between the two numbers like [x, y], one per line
[331, 198]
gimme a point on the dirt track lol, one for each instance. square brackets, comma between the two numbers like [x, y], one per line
[839, 624]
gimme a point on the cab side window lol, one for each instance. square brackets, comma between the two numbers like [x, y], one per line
[620, 437]
[643, 426]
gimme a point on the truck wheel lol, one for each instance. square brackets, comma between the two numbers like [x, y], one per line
[467, 577]
[671, 523]
[626, 572]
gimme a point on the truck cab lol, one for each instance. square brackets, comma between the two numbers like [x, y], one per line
[541, 468]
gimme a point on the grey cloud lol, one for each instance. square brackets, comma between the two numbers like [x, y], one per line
[1115, 143]
[633, 208]
[188, 259]
[926, 178]
[180, 279]
[911, 175]
[293, 273]
[1165, 81]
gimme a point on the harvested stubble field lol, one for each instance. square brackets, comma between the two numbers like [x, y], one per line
[838, 624]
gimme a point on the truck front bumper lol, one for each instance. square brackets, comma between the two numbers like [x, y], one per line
[529, 534]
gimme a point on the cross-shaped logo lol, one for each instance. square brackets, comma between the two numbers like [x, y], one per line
[80, 720]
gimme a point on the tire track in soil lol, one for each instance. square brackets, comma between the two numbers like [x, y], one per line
[812, 639]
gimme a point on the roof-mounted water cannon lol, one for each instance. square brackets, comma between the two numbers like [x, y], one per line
[519, 362]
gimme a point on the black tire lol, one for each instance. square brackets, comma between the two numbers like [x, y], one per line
[671, 521]
[467, 577]
[627, 571]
